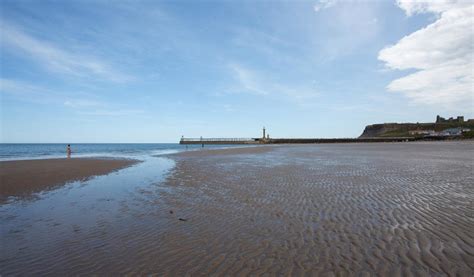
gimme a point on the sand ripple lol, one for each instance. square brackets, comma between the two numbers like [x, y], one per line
[331, 210]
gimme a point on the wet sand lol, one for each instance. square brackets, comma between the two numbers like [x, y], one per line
[21, 178]
[395, 209]
[203, 153]
[379, 209]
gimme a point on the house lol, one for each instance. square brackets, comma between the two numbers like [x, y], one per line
[452, 132]
[421, 132]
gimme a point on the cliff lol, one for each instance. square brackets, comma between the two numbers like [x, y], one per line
[402, 129]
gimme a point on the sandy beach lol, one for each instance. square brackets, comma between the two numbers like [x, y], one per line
[381, 209]
[396, 209]
[21, 178]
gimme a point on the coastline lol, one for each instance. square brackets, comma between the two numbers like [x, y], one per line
[323, 210]
[21, 178]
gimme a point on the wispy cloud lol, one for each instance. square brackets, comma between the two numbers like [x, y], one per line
[77, 103]
[57, 59]
[248, 80]
[268, 45]
[254, 82]
[323, 4]
[27, 92]
[112, 113]
[347, 27]
[442, 52]
[412, 7]
[80, 103]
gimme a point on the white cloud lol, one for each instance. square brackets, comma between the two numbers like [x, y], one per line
[25, 91]
[81, 106]
[412, 7]
[346, 30]
[323, 4]
[251, 81]
[442, 52]
[80, 103]
[38, 94]
[110, 113]
[11, 86]
[55, 58]
[77, 102]
[248, 80]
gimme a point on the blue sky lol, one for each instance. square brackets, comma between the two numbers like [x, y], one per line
[150, 71]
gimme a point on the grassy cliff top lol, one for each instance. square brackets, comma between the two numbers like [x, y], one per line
[403, 129]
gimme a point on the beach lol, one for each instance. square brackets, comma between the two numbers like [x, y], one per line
[376, 209]
[379, 209]
[24, 177]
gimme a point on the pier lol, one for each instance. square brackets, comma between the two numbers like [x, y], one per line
[218, 141]
[289, 140]
[265, 139]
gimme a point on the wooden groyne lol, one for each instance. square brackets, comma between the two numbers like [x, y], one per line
[289, 140]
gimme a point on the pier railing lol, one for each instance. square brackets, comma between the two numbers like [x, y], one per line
[290, 140]
[216, 139]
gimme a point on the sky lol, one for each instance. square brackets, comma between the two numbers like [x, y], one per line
[153, 71]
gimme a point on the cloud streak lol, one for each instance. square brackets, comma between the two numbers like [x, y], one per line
[323, 4]
[112, 113]
[81, 103]
[442, 52]
[26, 92]
[253, 82]
[76, 103]
[57, 59]
[248, 80]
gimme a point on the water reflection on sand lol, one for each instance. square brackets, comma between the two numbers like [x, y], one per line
[61, 219]
[343, 209]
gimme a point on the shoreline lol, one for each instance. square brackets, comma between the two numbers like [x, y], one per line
[263, 148]
[257, 149]
[22, 178]
[365, 209]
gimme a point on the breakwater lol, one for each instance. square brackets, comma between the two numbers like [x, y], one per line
[219, 141]
[289, 140]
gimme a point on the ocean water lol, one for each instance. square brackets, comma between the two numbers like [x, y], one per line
[23, 151]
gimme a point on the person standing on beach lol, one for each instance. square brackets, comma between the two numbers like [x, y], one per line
[68, 151]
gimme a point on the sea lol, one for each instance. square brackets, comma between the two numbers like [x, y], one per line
[27, 151]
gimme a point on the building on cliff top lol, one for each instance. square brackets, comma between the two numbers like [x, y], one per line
[459, 119]
[421, 132]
